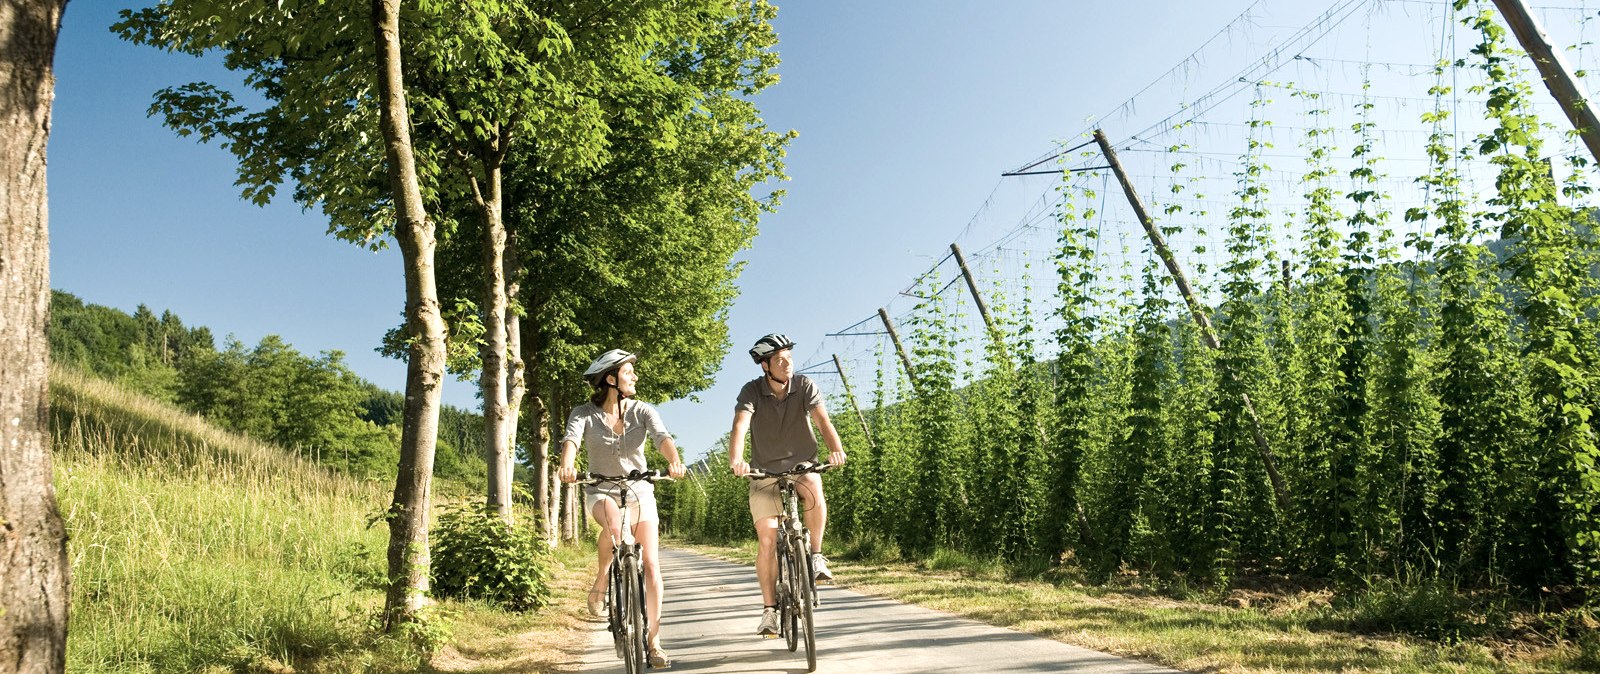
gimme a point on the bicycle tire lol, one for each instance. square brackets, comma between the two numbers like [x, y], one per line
[782, 585]
[808, 595]
[642, 640]
[797, 585]
[614, 603]
[632, 616]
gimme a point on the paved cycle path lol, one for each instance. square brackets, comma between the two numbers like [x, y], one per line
[712, 609]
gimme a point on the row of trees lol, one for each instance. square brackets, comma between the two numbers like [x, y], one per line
[1425, 402]
[314, 405]
[561, 178]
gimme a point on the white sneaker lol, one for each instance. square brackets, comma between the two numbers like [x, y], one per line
[820, 565]
[769, 622]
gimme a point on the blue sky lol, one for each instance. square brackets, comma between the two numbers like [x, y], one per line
[907, 114]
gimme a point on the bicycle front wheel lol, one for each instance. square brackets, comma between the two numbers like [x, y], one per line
[807, 598]
[797, 591]
[633, 634]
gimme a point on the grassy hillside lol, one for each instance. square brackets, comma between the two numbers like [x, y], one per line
[196, 549]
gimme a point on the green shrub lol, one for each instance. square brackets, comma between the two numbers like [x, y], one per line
[1432, 609]
[1588, 656]
[871, 548]
[476, 555]
[949, 559]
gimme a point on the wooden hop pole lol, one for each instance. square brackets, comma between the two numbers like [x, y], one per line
[1280, 490]
[852, 398]
[972, 284]
[1567, 90]
[898, 347]
[983, 309]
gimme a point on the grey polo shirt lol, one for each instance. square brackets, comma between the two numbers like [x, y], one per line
[780, 430]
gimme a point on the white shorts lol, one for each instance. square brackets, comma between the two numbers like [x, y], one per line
[641, 505]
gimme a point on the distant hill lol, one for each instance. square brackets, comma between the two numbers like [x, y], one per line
[271, 392]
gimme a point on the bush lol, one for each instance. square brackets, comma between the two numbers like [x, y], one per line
[948, 559]
[1588, 652]
[1431, 609]
[871, 548]
[476, 555]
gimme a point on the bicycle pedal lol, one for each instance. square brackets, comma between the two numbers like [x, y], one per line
[769, 636]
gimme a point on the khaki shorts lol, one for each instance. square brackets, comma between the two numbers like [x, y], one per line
[767, 501]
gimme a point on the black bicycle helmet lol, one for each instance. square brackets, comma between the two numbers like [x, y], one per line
[766, 346]
[607, 362]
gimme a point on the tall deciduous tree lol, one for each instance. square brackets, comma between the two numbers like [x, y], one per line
[336, 112]
[408, 515]
[550, 89]
[637, 251]
[33, 542]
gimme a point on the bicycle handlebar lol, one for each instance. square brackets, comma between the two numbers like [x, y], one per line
[651, 476]
[801, 469]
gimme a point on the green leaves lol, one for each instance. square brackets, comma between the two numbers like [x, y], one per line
[477, 555]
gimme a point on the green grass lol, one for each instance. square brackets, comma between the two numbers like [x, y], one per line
[1280, 633]
[490, 641]
[193, 549]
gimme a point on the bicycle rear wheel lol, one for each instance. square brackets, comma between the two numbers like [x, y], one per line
[614, 603]
[783, 590]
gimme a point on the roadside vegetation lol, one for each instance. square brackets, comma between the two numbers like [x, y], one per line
[198, 549]
[1264, 625]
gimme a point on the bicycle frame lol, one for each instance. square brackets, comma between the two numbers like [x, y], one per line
[796, 585]
[625, 590]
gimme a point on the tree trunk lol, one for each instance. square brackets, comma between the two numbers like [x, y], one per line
[499, 424]
[33, 542]
[538, 421]
[408, 515]
[561, 510]
[553, 511]
[538, 426]
[516, 375]
[573, 511]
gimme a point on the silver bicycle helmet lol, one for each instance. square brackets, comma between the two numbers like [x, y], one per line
[607, 362]
[766, 346]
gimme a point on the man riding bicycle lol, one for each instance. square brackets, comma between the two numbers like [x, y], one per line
[775, 408]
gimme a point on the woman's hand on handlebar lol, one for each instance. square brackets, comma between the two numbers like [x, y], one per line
[675, 470]
[568, 474]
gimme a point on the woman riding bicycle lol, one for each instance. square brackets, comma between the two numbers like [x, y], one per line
[612, 428]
